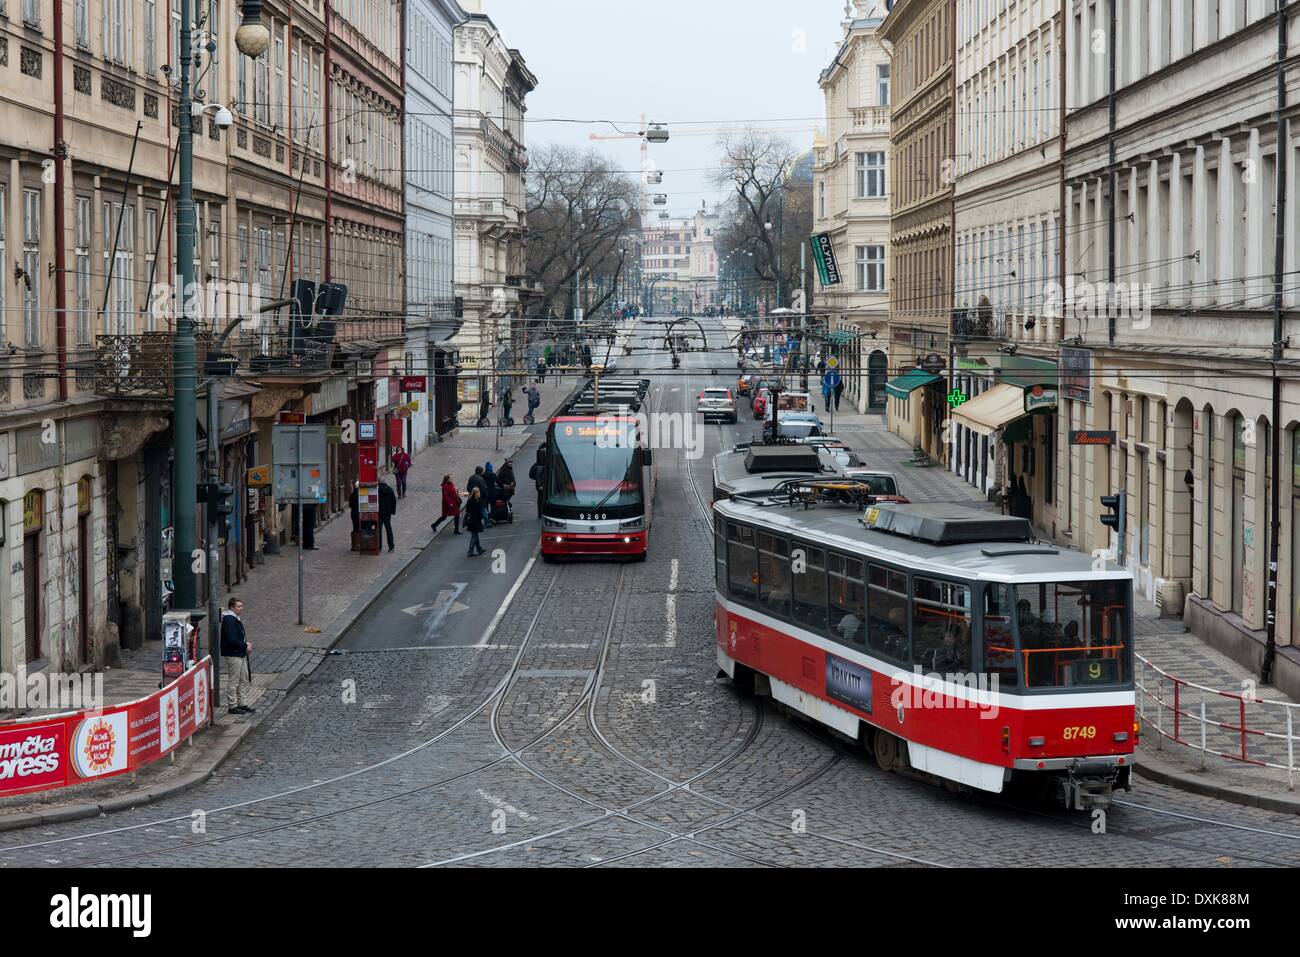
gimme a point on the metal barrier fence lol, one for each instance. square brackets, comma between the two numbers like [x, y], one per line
[1229, 725]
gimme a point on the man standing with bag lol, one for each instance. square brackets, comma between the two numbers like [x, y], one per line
[387, 509]
[234, 654]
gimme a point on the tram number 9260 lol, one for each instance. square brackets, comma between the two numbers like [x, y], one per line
[1076, 733]
[591, 517]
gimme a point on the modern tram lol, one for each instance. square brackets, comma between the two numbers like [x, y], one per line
[597, 473]
[943, 638]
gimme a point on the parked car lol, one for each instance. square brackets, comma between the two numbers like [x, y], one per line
[717, 404]
[884, 487]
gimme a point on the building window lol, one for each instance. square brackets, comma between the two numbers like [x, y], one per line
[870, 175]
[882, 85]
[871, 268]
[32, 13]
[32, 267]
[119, 244]
[150, 43]
[82, 252]
[82, 18]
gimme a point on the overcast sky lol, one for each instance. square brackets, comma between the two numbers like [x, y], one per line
[698, 65]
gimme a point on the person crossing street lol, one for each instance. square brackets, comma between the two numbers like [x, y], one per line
[401, 465]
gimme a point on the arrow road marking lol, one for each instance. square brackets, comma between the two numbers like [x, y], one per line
[437, 610]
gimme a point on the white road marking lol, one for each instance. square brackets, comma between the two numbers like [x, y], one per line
[510, 595]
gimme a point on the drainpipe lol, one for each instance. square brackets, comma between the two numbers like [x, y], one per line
[60, 152]
[1275, 434]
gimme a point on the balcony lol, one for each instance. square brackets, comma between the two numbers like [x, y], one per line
[869, 119]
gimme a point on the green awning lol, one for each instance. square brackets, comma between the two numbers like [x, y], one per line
[909, 382]
[840, 337]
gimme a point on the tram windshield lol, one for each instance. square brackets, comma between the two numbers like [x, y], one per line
[1073, 634]
[594, 464]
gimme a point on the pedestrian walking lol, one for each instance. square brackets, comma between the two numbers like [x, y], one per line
[484, 411]
[387, 509]
[827, 393]
[490, 493]
[534, 399]
[450, 504]
[355, 508]
[839, 391]
[235, 647]
[541, 371]
[476, 481]
[474, 523]
[401, 465]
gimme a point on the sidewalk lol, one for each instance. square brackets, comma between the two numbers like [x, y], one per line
[1168, 646]
[339, 586]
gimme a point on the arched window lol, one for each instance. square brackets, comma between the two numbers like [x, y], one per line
[1237, 503]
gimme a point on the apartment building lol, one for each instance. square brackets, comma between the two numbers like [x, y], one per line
[492, 84]
[1180, 333]
[851, 205]
[1008, 219]
[921, 34]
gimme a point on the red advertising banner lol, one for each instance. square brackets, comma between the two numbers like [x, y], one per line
[413, 383]
[52, 752]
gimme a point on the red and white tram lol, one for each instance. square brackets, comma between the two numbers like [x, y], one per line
[943, 638]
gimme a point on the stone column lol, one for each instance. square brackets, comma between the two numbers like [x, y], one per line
[1229, 228]
[1202, 271]
[1254, 529]
[1155, 275]
[1180, 29]
[1258, 245]
[1177, 237]
[1159, 24]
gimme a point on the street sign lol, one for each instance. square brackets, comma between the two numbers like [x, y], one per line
[933, 363]
[832, 363]
[291, 418]
[1085, 437]
[259, 476]
[823, 250]
[413, 383]
[832, 379]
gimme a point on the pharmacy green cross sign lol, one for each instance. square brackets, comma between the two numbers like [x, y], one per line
[955, 398]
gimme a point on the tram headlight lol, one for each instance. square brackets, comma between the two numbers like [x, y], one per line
[552, 523]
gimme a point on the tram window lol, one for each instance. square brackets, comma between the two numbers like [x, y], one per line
[887, 632]
[720, 552]
[774, 575]
[940, 626]
[810, 589]
[1074, 633]
[848, 604]
[999, 643]
[742, 562]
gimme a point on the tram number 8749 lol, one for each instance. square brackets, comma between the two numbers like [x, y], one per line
[1074, 734]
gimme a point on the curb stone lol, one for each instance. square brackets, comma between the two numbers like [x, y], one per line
[1163, 773]
[229, 738]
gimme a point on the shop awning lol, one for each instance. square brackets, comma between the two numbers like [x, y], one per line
[991, 410]
[840, 337]
[909, 382]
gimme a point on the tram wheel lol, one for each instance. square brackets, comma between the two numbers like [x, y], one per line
[886, 749]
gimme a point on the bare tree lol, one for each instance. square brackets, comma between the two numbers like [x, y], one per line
[757, 167]
[580, 207]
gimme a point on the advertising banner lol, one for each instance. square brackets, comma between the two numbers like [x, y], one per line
[37, 754]
[823, 250]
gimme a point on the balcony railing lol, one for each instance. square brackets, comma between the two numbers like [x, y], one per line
[869, 119]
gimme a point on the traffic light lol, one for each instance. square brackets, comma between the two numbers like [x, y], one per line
[1114, 514]
[220, 507]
